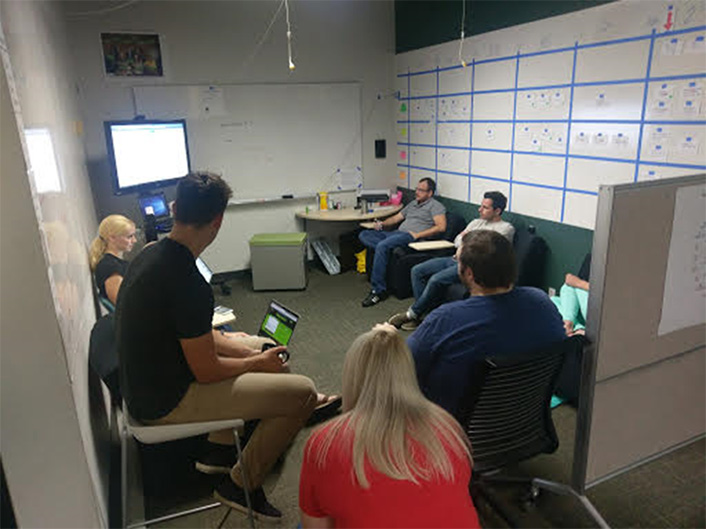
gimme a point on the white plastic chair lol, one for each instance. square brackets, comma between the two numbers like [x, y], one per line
[154, 434]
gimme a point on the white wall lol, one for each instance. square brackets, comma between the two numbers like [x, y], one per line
[46, 306]
[216, 42]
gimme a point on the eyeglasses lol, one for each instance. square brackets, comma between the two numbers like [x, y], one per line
[423, 190]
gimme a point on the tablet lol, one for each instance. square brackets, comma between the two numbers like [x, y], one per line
[278, 323]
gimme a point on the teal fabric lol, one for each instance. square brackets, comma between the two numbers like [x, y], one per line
[556, 401]
[573, 305]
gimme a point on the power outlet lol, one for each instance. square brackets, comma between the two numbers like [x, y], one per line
[551, 291]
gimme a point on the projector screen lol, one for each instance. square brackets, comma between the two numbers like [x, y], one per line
[146, 154]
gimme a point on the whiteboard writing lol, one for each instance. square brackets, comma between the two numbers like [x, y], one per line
[684, 300]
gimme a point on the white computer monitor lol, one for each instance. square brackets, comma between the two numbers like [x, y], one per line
[146, 154]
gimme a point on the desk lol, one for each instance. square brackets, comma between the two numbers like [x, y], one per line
[331, 223]
[348, 214]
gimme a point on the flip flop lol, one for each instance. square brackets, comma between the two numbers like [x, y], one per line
[325, 411]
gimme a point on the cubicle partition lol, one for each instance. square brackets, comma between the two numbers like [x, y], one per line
[644, 375]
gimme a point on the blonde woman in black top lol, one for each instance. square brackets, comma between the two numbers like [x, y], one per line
[116, 236]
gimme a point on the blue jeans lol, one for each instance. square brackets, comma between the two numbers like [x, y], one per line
[383, 242]
[429, 281]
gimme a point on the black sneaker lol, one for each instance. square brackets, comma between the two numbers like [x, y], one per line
[217, 459]
[228, 493]
[373, 298]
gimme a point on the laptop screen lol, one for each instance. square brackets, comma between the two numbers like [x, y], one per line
[204, 269]
[154, 205]
[278, 323]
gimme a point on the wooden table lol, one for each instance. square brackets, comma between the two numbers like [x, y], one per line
[331, 223]
[347, 214]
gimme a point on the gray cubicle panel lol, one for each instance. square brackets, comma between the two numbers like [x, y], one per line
[643, 387]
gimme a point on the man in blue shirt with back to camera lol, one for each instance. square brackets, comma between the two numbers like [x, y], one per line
[421, 218]
[498, 319]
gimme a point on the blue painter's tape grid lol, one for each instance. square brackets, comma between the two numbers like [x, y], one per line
[568, 132]
[564, 49]
[470, 128]
[436, 132]
[514, 124]
[409, 130]
[646, 89]
[637, 161]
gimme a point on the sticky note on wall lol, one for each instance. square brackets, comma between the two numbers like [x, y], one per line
[403, 155]
[403, 175]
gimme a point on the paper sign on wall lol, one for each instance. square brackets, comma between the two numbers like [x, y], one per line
[690, 107]
[662, 105]
[657, 151]
[621, 140]
[696, 44]
[665, 91]
[211, 103]
[600, 138]
[689, 145]
[659, 135]
[558, 99]
[672, 47]
[692, 90]
[684, 298]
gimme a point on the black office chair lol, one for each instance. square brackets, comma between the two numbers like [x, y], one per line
[507, 416]
[531, 253]
[404, 258]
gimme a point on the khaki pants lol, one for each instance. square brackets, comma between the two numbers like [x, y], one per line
[282, 401]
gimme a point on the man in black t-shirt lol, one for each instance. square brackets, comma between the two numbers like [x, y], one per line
[174, 368]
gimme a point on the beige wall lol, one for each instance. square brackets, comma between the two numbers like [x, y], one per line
[46, 301]
[216, 42]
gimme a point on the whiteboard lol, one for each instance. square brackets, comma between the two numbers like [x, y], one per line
[546, 112]
[267, 140]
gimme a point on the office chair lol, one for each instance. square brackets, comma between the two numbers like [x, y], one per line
[506, 415]
[153, 434]
[404, 258]
[107, 305]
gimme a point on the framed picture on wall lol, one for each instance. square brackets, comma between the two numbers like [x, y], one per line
[131, 55]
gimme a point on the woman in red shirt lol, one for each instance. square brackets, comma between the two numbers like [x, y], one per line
[393, 459]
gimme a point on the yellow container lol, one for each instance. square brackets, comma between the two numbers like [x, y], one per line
[323, 201]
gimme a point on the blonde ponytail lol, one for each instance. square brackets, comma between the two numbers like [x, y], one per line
[96, 252]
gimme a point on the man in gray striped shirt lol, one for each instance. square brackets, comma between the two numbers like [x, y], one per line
[421, 218]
